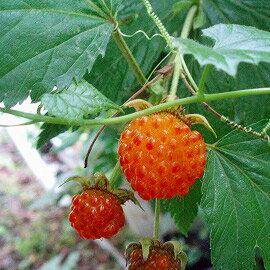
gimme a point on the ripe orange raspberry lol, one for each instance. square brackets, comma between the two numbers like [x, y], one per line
[160, 156]
[96, 213]
[158, 259]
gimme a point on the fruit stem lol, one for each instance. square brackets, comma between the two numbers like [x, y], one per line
[115, 173]
[156, 222]
[122, 45]
[179, 60]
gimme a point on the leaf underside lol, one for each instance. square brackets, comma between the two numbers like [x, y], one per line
[233, 44]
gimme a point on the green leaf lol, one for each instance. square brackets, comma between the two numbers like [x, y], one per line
[244, 110]
[111, 74]
[244, 12]
[48, 43]
[184, 209]
[200, 19]
[181, 6]
[236, 200]
[77, 101]
[233, 44]
[49, 131]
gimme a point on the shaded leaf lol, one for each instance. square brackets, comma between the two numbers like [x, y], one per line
[181, 6]
[48, 43]
[233, 44]
[236, 200]
[245, 110]
[77, 101]
[200, 19]
[49, 131]
[111, 74]
[184, 209]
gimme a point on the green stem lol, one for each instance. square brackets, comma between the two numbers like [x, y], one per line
[176, 77]
[188, 21]
[129, 117]
[156, 222]
[129, 56]
[178, 58]
[115, 173]
[202, 81]
[188, 74]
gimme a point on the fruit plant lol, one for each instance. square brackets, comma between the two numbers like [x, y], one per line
[178, 64]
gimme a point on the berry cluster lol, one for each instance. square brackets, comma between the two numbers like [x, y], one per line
[161, 157]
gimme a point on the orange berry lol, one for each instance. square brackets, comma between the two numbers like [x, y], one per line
[161, 156]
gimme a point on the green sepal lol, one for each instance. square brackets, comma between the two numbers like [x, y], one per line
[101, 181]
[82, 180]
[192, 119]
[146, 243]
[179, 254]
[138, 104]
[125, 195]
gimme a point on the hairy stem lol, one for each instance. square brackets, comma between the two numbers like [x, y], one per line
[248, 130]
[156, 222]
[178, 58]
[188, 22]
[129, 117]
[158, 23]
[176, 77]
[129, 56]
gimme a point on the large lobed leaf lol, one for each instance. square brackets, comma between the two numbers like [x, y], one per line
[77, 101]
[48, 43]
[236, 200]
[233, 44]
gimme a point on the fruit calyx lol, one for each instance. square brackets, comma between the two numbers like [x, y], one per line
[148, 245]
[99, 181]
[177, 111]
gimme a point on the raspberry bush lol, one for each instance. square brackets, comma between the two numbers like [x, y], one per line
[190, 62]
